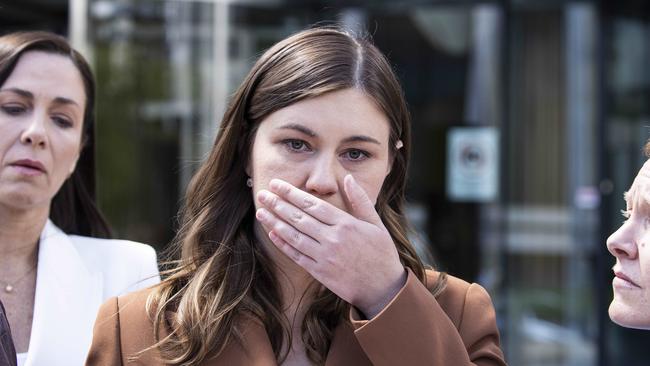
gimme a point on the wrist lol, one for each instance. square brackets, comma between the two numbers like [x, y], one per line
[387, 293]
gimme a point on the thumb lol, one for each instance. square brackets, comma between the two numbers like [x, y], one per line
[361, 206]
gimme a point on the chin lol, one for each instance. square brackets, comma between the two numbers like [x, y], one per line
[22, 199]
[629, 317]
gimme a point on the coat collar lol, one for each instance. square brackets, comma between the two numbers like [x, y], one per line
[257, 350]
[68, 294]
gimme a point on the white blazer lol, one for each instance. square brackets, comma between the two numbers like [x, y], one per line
[76, 274]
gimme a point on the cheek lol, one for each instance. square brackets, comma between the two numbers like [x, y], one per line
[268, 163]
[65, 153]
[9, 136]
[644, 263]
[372, 184]
[267, 168]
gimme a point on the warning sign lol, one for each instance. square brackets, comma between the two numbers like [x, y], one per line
[473, 164]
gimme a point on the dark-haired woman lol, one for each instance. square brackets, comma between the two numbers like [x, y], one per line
[54, 272]
[293, 241]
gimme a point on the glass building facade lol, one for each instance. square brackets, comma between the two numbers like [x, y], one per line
[528, 122]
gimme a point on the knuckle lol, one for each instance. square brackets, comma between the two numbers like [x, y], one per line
[273, 201]
[316, 271]
[296, 217]
[331, 261]
[347, 226]
[323, 271]
[296, 255]
[332, 237]
[308, 202]
[284, 189]
[341, 233]
[295, 238]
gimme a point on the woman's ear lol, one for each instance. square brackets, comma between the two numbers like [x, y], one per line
[389, 166]
[248, 167]
[391, 158]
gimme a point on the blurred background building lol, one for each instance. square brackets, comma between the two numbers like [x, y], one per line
[528, 117]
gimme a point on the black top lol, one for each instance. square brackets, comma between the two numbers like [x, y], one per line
[7, 350]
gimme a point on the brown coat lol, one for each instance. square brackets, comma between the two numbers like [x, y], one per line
[456, 328]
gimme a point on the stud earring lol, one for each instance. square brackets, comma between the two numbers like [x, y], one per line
[249, 182]
[399, 144]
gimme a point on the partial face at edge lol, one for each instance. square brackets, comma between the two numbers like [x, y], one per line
[314, 143]
[630, 244]
[42, 106]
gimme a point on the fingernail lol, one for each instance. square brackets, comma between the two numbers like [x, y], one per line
[273, 236]
[263, 196]
[275, 184]
[261, 214]
[351, 179]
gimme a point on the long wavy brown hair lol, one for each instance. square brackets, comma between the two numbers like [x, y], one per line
[223, 275]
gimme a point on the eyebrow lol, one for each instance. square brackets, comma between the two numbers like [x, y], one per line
[300, 128]
[304, 130]
[29, 95]
[632, 194]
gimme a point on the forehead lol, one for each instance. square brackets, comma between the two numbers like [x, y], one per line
[342, 112]
[640, 190]
[47, 74]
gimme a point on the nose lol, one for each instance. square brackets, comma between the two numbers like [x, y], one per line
[323, 177]
[35, 133]
[623, 242]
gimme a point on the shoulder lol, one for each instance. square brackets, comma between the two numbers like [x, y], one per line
[111, 247]
[136, 323]
[114, 254]
[133, 305]
[458, 297]
[125, 265]
[95, 249]
[124, 311]
[127, 312]
[122, 329]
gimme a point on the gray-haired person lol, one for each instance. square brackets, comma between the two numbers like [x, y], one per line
[630, 244]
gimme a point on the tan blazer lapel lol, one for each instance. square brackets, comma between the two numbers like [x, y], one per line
[345, 349]
[255, 351]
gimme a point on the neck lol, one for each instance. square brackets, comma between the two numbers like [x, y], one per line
[294, 280]
[19, 234]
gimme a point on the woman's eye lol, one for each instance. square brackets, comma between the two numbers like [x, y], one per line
[356, 155]
[13, 109]
[62, 121]
[296, 145]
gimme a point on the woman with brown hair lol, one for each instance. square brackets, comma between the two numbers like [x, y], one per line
[54, 271]
[293, 242]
